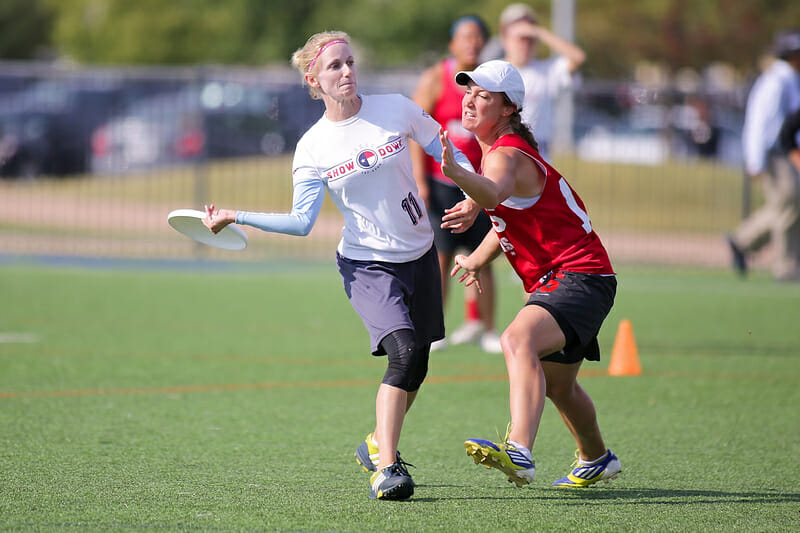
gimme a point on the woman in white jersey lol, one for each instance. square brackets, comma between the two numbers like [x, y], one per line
[542, 227]
[359, 152]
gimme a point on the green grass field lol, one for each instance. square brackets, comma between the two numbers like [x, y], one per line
[232, 399]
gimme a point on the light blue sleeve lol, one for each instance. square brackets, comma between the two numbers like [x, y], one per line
[306, 204]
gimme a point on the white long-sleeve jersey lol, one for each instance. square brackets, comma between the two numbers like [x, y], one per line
[365, 164]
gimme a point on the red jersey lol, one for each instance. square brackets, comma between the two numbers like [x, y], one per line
[552, 234]
[447, 112]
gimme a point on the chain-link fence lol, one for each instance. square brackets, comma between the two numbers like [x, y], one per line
[93, 160]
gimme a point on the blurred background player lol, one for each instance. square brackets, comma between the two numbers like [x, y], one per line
[775, 94]
[545, 78]
[440, 96]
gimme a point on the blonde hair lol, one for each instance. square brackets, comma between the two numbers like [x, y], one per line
[304, 58]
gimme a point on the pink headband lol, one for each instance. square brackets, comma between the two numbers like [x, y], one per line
[331, 43]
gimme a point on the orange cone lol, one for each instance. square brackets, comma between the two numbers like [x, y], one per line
[624, 355]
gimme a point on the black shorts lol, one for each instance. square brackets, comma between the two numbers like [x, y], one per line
[443, 196]
[579, 303]
[392, 296]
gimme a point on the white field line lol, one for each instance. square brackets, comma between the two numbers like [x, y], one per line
[10, 338]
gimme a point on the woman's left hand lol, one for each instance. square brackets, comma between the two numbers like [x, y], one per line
[461, 216]
[449, 165]
[471, 274]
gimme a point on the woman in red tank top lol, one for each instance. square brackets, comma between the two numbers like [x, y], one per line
[439, 94]
[541, 225]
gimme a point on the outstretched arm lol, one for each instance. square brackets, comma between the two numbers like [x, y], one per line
[306, 204]
[486, 191]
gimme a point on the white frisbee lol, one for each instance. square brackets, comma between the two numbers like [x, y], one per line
[190, 223]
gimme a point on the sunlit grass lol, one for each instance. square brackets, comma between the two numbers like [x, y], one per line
[232, 400]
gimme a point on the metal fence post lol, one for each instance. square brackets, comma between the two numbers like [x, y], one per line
[564, 27]
[200, 166]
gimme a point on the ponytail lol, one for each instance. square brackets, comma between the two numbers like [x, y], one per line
[519, 127]
[522, 129]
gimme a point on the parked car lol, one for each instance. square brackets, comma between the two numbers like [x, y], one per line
[11, 82]
[630, 124]
[219, 119]
[644, 146]
[297, 112]
[47, 127]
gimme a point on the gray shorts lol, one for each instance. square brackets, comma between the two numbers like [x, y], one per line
[579, 303]
[392, 296]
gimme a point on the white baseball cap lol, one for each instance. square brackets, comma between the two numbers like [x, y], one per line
[496, 76]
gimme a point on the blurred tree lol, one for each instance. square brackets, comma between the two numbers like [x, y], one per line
[26, 29]
[616, 35]
[151, 31]
[679, 33]
[275, 29]
[392, 33]
[247, 31]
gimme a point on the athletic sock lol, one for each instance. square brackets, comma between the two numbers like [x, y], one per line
[590, 463]
[525, 451]
[471, 310]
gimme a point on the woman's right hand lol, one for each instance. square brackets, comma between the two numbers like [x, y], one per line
[217, 220]
[471, 274]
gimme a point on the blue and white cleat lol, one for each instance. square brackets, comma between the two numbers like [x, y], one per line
[503, 456]
[584, 474]
[392, 483]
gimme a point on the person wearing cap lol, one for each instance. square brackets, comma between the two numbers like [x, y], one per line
[542, 226]
[439, 95]
[774, 95]
[358, 152]
[545, 78]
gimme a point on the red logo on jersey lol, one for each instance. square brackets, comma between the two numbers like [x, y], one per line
[367, 159]
[340, 171]
[395, 146]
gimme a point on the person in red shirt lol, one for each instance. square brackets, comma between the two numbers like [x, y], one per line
[542, 227]
[438, 94]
